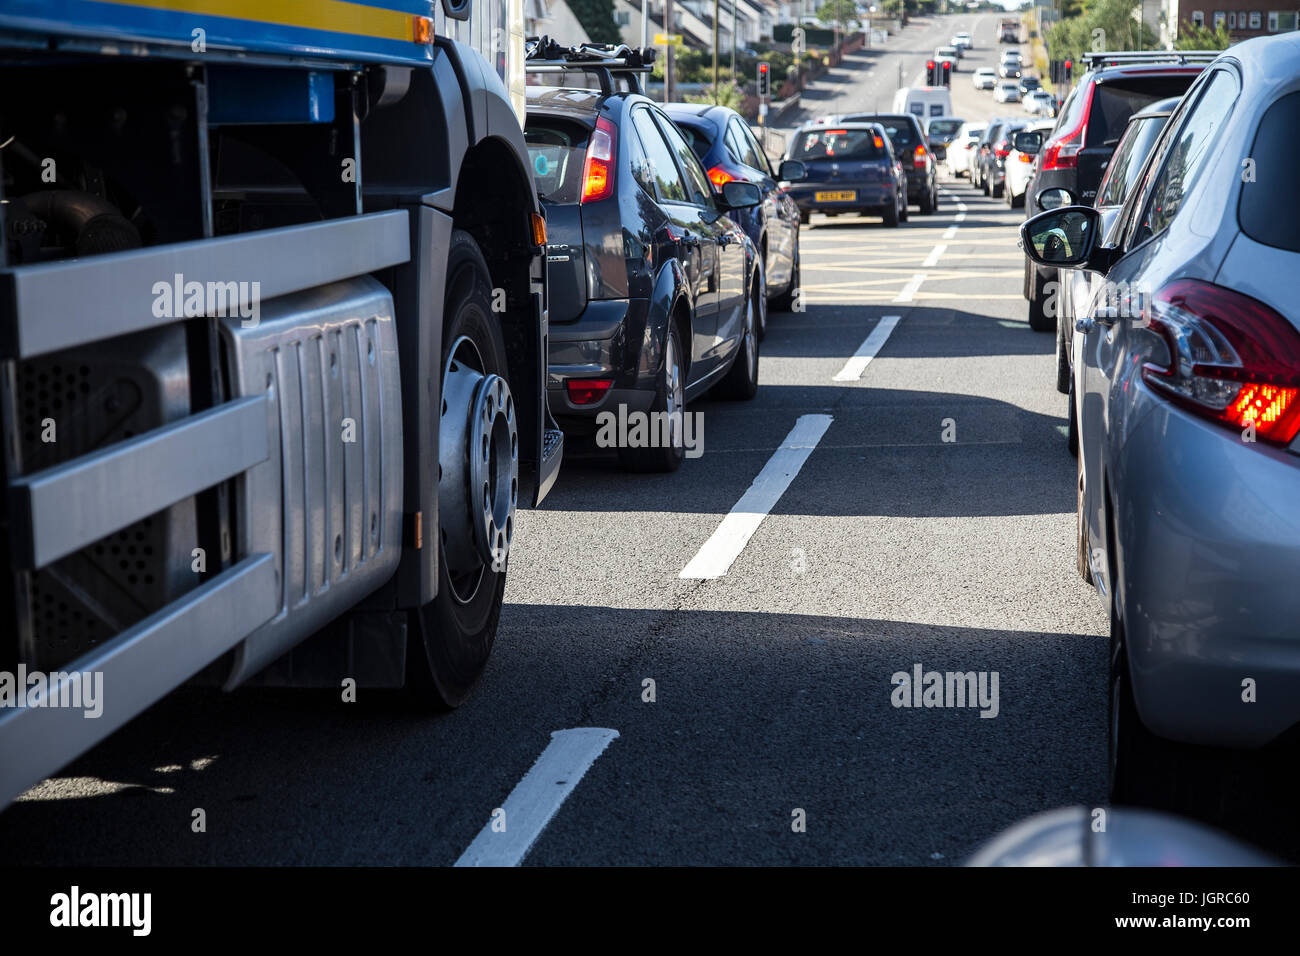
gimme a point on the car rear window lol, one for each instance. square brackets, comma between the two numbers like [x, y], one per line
[1269, 209]
[1114, 103]
[839, 144]
[697, 138]
[944, 130]
[556, 151]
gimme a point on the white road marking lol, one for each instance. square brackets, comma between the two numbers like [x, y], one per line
[909, 290]
[950, 233]
[855, 366]
[534, 800]
[932, 259]
[717, 554]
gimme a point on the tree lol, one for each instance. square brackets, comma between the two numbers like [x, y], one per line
[838, 13]
[1104, 25]
[1192, 37]
[729, 95]
[597, 18]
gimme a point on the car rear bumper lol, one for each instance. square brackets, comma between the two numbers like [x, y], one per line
[866, 196]
[1210, 544]
[595, 346]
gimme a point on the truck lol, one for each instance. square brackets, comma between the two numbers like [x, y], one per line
[1009, 30]
[273, 329]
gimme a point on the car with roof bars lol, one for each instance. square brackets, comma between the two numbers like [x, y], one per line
[722, 140]
[1088, 127]
[1190, 432]
[912, 147]
[654, 291]
[849, 168]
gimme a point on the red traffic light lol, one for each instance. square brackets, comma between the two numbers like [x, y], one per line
[762, 68]
[1068, 64]
[947, 65]
[929, 65]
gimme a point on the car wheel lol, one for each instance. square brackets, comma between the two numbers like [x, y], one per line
[934, 199]
[1039, 320]
[741, 381]
[997, 190]
[668, 404]
[450, 638]
[890, 214]
[785, 301]
[803, 216]
[984, 185]
[1063, 377]
[1082, 547]
[760, 303]
[1071, 422]
[902, 207]
[925, 206]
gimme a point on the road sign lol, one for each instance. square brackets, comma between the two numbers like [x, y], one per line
[668, 39]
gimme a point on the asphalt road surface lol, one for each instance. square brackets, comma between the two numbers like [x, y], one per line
[930, 522]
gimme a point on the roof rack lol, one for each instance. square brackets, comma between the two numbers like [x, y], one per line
[1121, 58]
[602, 60]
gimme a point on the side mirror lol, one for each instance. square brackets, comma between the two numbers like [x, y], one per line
[792, 171]
[738, 195]
[1054, 198]
[1029, 143]
[1064, 237]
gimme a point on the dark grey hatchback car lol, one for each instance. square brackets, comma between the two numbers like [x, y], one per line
[654, 291]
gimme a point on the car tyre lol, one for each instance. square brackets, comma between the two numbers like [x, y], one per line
[785, 301]
[1063, 378]
[925, 206]
[669, 399]
[450, 638]
[890, 215]
[741, 380]
[1039, 320]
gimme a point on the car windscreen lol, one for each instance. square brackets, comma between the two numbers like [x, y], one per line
[696, 136]
[556, 151]
[1269, 209]
[1127, 162]
[1114, 103]
[856, 144]
[944, 130]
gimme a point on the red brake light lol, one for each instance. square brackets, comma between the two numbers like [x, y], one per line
[1002, 148]
[1063, 151]
[1231, 358]
[598, 169]
[918, 159]
[587, 391]
[719, 176]
[837, 132]
[877, 142]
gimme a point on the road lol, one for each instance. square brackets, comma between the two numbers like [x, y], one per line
[931, 524]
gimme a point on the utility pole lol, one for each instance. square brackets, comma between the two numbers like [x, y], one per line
[716, 14]
[668, 59]
[733, 41]
[645, 23]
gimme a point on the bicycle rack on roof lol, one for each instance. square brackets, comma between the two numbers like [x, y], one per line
[1123, 58]
[604, 61]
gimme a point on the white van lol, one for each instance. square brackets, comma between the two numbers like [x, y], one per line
[923, 101]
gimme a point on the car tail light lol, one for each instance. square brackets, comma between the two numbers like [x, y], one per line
[1231, 358]
[587, 391]
[1002, 148]
[1063, 151]
[1024, 157]
[877, 142]
[720, 177]
[918, 158]
[598, 170]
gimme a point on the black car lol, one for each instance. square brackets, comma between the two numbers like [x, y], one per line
[654, 291]
[912, 147]
[1089, 126]
[848, 167]
[724, 144]
[1028, 84]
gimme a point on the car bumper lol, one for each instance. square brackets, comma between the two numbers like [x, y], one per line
[1210, 545]
[596, 345]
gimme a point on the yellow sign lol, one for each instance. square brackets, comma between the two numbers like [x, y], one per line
[668, 39]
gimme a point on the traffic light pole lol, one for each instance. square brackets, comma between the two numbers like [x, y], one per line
[716, 12]
[668, 58]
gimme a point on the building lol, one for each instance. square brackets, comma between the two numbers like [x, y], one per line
[1242, 18]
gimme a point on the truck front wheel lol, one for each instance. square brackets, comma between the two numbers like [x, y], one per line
[451, 637]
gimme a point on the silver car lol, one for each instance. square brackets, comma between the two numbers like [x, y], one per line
[1189, 412]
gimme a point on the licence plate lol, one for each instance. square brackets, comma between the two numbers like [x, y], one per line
[846, 195]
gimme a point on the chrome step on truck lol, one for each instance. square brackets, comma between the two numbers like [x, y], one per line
[231, 379]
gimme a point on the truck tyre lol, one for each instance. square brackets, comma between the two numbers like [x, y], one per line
[669, 400]
[450, 638]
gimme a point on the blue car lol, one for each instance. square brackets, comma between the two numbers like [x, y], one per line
[724, 144]
[850, 167]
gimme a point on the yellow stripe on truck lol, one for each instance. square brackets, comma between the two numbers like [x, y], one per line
[337, 16]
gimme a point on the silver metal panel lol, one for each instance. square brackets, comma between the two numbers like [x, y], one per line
[138, 667]
[69, 506]
[327, 501]
[44, 308]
